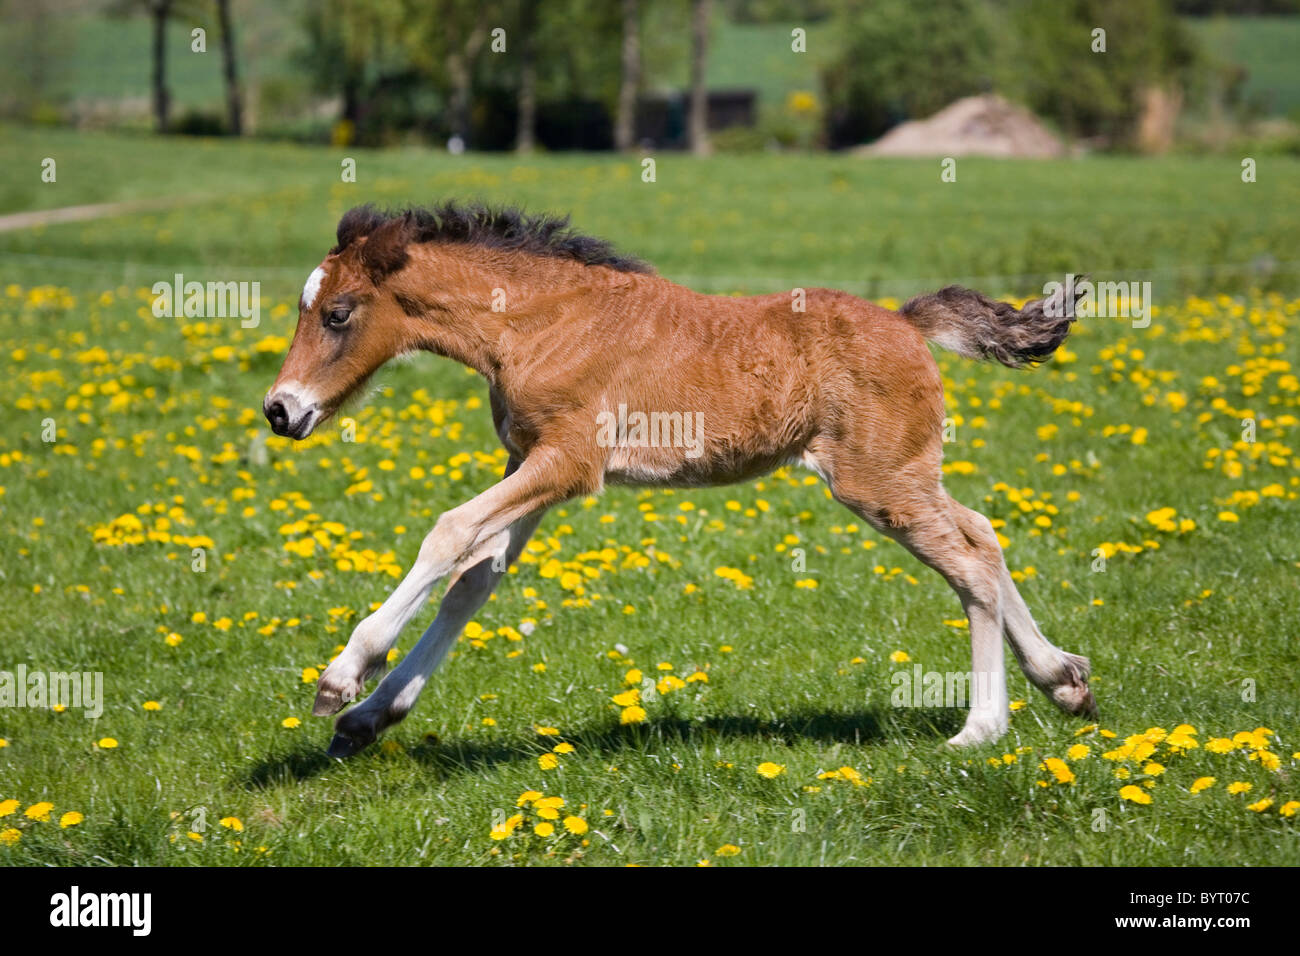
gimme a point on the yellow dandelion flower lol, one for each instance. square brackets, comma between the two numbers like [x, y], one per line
[770, 770]
[1059, 769]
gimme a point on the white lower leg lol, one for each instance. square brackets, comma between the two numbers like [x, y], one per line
[371, 640]
[988, 716]
[398, 692]
[458, 535]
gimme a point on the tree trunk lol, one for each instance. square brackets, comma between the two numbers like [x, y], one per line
[525, 140]
[699, 123]
[234, 97]
[161, 10]
[625, 127]
[460, 66]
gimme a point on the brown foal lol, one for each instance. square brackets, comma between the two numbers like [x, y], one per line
[570, 335]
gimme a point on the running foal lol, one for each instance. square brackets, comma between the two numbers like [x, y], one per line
[566, 331]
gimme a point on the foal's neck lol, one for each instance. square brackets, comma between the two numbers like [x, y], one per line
[463, 301]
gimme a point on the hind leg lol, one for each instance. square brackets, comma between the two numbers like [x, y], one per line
[911, 507]
[1060, 675]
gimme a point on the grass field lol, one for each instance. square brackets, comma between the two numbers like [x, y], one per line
[770, 737]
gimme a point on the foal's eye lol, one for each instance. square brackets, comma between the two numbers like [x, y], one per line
[338, 318]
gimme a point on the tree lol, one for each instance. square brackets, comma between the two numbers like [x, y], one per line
[353, 50]
[460, 68]
[1093, 94]
[901, 60]
[699, 115]
[525, 134]
[625, 124]
[234, 96]
[160, 11]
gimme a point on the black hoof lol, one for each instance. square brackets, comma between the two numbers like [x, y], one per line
[343, 746]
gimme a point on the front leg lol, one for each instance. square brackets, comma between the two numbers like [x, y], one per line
[528, 488]
[397, 693]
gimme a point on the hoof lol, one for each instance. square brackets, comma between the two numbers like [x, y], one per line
[353, 732]
[327, 702]
[1074, 696]
[343, 746]
[333, 693]
[1076, 699]
[974, 734]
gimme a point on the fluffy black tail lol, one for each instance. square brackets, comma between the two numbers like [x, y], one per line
[975, 326]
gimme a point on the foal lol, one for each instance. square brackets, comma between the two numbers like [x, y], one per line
[566, 331]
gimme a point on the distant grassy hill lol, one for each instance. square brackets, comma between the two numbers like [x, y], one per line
[1267, 47]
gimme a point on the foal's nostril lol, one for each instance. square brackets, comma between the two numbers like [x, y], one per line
[278, 417]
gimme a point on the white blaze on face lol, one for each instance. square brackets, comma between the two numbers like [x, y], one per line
[312, 288]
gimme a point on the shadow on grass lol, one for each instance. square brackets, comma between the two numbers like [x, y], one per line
[465, 756]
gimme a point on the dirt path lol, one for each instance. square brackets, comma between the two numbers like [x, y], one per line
[48, 217]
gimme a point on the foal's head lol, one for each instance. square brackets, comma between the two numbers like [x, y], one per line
[397, 282]
[350, 322]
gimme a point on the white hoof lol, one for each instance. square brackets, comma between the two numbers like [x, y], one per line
[978, 730]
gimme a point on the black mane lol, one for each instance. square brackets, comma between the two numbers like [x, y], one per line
[505, 228]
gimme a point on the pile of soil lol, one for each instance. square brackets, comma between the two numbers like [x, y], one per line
[985, 125]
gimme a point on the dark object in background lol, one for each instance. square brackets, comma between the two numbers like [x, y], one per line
[662, 121]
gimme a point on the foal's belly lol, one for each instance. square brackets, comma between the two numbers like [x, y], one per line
[660, 467]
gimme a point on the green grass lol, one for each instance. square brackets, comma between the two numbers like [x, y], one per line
[796, 676]
[751, 223]
[1265, 47]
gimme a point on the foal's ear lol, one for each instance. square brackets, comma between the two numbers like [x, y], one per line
[384, 250]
